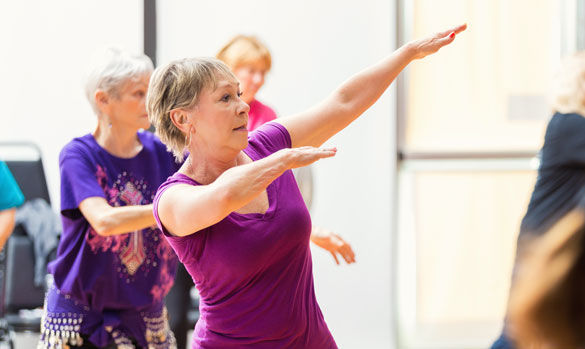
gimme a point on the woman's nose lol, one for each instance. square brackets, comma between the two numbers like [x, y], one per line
[143, 104]
[243, 108]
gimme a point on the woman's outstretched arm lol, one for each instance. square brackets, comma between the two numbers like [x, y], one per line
[316, 125]
[107, 220]
[185, 209]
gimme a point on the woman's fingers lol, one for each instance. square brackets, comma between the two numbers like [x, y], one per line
[327, 152]
[457, 29]
[344, 249]
[304, 156]
[428, 46]
[448, 36]
[334, 257]
[445, 40]
[349, 253]
[346, 254]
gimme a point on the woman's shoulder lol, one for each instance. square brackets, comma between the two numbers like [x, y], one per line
[269, 138]
[78, 146]
[174, 179]
[567, 119]
[565, 125]
[563, 137]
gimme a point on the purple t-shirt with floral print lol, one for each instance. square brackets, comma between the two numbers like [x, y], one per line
[117, 284]
[253, 271]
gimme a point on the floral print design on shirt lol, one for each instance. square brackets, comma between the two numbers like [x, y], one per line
[140, 251]
[132, 255]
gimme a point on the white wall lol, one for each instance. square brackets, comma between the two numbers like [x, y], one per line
[46, 49]
[315, 46]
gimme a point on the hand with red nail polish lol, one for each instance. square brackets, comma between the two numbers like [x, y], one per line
[424, 47]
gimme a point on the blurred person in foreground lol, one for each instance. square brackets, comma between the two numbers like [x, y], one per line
[113, 266]
[545, 307]
[234, 214]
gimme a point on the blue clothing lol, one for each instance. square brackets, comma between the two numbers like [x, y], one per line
[10, 194]
[560, 184]
[503, 343]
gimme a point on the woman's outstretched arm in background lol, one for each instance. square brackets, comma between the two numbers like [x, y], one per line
[316, 125]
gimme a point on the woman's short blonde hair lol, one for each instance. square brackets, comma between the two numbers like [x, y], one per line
[244, 50]
[568, 91]
[112, 69]
[179, 85]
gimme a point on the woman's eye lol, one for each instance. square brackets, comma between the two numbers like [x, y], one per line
[240, 93]
[225, 97]
[139, 94]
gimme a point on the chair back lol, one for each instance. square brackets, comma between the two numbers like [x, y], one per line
[18, 255]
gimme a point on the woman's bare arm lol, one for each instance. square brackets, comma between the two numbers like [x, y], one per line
[184, 209]
[316, 125]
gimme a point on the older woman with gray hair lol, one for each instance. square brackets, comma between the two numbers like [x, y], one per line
[113, 266]
[233, 213]
[557, 198]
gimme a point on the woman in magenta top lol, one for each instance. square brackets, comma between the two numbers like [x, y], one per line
[250, 60]
[233, 212]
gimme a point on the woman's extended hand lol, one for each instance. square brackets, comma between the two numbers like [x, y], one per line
[427, 46]
[303, 156]
[333, 243]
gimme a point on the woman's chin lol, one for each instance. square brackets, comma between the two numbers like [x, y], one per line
[144, 125]
[243, 144]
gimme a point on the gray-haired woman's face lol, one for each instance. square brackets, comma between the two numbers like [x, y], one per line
[128, 108]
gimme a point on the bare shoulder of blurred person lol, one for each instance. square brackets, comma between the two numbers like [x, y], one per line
[547, 304]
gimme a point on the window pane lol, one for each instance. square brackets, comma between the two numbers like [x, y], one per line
[486, 92]
[462, 224]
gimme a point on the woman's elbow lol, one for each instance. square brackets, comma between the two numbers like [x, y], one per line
[103, 227]
[229, 200]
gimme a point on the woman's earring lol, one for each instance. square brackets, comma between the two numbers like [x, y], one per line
[109, 122]
[188, 138]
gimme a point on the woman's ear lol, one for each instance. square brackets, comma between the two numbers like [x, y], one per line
[101, 99]
[180, 119]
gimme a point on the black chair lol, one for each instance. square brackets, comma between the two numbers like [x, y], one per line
[19, 292]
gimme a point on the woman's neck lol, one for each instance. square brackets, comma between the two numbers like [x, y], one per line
[118, 141]
[206, 168]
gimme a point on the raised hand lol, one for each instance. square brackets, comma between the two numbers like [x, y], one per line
[333, 243]
[303, 156]
[427, 46]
